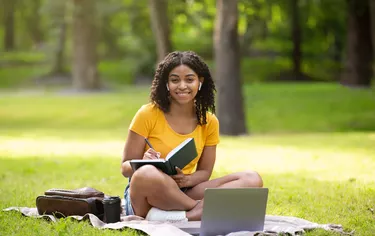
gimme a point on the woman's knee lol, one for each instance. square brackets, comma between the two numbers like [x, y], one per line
[251, 179]
[146, 176]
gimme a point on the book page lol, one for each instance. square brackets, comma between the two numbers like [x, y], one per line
[150, 160]
[176, 149]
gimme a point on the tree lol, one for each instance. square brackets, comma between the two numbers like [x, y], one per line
[57, 11]
[227, 69]
[85, 73]
[160, 26]
[58, 62]
[359, 54]
[256, 24]
[33, 21]
[9, 7]
[296, 38]
[372, 14]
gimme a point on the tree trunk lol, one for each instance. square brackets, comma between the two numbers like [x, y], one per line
[358, 70]
[34, 23]
[296, 38]
[58, 62]
[9, 9]
[160, 26]
[85, 74]
[227, 69]
[372, 15]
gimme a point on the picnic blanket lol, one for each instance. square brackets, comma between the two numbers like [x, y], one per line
[274, 225]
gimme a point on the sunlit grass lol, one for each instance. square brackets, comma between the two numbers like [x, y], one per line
[337, 161]
[321, 184]
[314, 146]
[280, 108]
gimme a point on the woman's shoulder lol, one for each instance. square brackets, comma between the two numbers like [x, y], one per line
[145, 119]
[148, 108]
[211, 119]
[147, 111]
[212, 129]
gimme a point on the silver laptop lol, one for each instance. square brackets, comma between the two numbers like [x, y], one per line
[232, 210]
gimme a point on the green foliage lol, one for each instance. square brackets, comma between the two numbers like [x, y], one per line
[192, 26]
[27, 57]
[125, 34]
[21, 68]
[262, 69]
[117, 72]
[21, 76]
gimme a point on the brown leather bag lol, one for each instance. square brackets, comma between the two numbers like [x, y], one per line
[63, 202]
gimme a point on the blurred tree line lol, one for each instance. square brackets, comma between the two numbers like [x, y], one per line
[331, 36]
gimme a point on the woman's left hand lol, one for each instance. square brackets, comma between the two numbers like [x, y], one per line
[181, 179]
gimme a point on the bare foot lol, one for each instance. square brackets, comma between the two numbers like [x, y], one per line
[195, 214]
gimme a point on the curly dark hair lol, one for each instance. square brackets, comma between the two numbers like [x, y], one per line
[205, 98]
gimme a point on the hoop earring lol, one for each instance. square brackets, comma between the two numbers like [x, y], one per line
[200, 86]
[167, 87]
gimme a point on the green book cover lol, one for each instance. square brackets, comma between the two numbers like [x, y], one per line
[180, 156]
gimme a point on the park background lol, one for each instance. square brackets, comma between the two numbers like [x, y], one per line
[295, 98]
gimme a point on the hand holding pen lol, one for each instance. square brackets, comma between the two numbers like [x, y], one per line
[150, 153]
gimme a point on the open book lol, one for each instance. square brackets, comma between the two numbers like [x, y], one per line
[180, 156]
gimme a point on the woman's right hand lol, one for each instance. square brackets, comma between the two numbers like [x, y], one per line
[151, 154]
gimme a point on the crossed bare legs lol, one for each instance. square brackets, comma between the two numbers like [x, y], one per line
[152, 188]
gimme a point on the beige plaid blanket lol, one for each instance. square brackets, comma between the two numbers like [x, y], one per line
[274, 225]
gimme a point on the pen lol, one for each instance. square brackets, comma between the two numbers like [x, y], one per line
[149, 144]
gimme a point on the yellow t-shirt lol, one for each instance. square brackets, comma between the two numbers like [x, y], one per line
[150, 122]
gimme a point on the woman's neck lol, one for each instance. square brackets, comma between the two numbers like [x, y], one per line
[186, 110]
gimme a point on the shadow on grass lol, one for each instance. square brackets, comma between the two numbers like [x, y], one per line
[347, 203]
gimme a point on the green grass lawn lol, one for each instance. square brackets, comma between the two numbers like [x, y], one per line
[313, 144]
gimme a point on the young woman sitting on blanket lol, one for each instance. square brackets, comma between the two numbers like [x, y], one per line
[182, 96]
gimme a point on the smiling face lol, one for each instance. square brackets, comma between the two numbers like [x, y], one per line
[183, 84]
